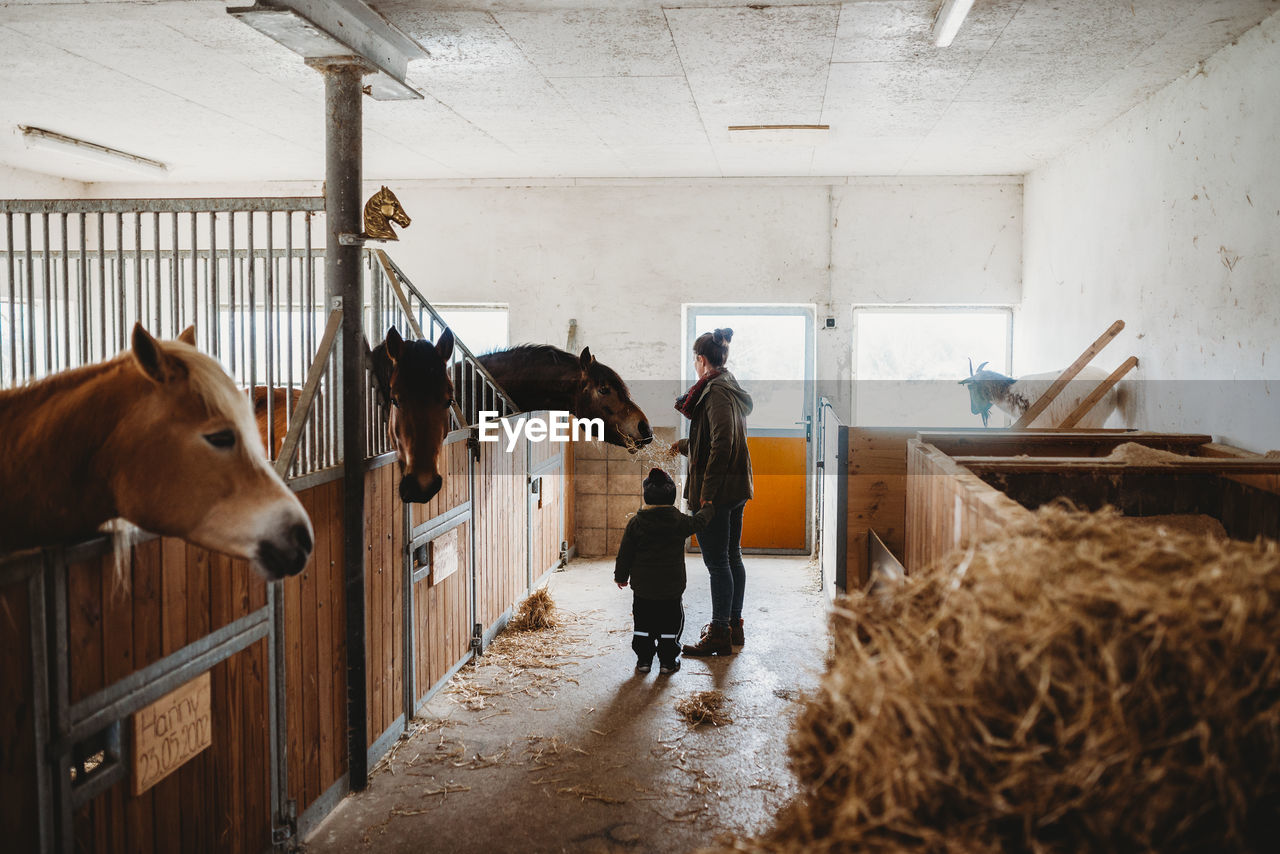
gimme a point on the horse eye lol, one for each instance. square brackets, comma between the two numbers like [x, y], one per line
[450, 402]
[604, 389]
[395, 401]
[221, 439]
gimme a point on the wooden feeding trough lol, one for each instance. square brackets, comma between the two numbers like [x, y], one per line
[963, 488]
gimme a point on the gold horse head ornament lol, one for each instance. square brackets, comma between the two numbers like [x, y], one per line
[382, 209]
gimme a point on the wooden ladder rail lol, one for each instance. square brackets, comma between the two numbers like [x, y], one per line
[1052, 392]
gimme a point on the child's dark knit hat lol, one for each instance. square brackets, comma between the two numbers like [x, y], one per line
[659, 488]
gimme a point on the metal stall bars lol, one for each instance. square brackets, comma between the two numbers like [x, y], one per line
[74, 276]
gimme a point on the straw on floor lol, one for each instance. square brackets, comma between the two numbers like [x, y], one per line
[1077, 684]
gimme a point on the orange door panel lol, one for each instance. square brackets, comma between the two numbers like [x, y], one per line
[775, 518]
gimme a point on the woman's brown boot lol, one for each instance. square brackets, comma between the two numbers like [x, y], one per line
[735, 632]
[714, 641]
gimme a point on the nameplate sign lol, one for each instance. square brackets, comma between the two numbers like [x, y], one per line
[444, 555]
[170, 731]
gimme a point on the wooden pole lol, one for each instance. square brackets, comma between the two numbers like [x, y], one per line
[1098, 393]
[1067, 376]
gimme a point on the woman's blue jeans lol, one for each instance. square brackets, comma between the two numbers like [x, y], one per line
[721, 544]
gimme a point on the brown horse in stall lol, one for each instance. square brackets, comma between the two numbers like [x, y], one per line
[539, 376]
[272, 429]
[159, 436]
[413, 385]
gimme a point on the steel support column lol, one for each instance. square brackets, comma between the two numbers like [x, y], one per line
[342, 190]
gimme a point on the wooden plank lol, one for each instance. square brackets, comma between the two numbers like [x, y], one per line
[145, 598]
[171, 731]
[173, 585]
[1098, 393]
[1191, 465]
[196, 778]
[18, 807]
[87, 585]
[308, 683]
[1052, 392]
[234, 732]
[338, 616]
[320, 570]
[1059, 443]
[254, 792]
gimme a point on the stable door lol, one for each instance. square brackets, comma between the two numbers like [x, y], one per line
[771, 356]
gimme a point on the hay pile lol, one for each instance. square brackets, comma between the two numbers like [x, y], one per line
[704, 707]
[535, 613]
[1143, 455]
[1075, 685]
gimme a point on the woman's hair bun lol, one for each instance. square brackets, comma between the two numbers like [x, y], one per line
[723, 336]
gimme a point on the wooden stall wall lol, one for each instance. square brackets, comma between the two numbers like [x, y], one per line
[442, 596]
[315, 634]
[19, 804]
[567, 496]
[498, 510]
[384, 537]
[548, 511]
[876, 495]
[442, 614]
[948, 507]
[174, 594]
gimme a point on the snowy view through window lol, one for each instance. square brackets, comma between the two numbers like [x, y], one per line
[767, 356]
[908, 361]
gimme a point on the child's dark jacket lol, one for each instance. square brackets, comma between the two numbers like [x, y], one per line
[651, 555]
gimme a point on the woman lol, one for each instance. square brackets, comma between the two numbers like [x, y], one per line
[719, 475]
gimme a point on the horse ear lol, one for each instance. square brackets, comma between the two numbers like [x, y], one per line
[394, 342]
[586, 358]
[444, 346]
[152, 359]
[188, 335]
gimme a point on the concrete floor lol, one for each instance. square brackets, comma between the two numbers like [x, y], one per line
[555, 743]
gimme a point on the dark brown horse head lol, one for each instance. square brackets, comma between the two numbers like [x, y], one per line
[412, 378]
[602, 394]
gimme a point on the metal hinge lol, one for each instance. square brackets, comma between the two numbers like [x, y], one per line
[477, 639]
[285, 830]
[564, 554]
[473, 442]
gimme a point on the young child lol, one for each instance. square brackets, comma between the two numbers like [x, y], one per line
[651, 556]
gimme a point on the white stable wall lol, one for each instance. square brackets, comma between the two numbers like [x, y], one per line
[21, 184]
[623, 258]
[1170, 219]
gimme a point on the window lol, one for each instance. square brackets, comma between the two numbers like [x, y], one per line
[907, 362]
[482, 327]
[770, 355]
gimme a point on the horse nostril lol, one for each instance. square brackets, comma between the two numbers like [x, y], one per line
[301, 538]
[644, 429]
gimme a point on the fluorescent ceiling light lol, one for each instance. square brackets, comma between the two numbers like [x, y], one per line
[948, 22]
[780, 134]
[47, 139]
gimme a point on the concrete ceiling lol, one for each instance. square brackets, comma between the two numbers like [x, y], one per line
[604, 88]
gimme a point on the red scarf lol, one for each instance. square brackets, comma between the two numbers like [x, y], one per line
[686, 402]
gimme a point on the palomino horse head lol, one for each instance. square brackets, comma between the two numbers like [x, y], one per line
[413, 377]
[186, 460]
[602, 394]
